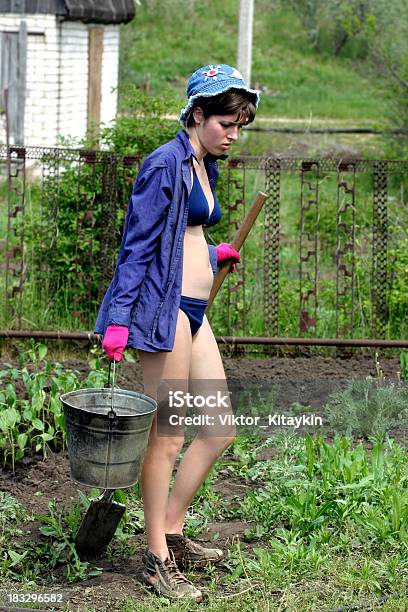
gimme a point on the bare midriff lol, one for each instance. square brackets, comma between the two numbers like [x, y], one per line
[197, 271]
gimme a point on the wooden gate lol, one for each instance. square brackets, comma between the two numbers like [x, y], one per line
[13, 68]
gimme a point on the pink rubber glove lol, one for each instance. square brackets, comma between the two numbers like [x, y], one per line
[115, 341]
[226, 251]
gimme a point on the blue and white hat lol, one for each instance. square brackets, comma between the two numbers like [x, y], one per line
[212, 80]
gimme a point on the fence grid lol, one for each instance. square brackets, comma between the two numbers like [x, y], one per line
[326, 258]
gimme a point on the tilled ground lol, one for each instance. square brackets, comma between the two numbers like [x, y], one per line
[307, 380]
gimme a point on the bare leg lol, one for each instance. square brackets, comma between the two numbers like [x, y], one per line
[162, 451]
[203, 451]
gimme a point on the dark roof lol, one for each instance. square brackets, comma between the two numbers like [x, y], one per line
[95, 11]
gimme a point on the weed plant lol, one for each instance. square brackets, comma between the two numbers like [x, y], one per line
[36, 561]
[322, 506]
[369, 407]
[11, 514]
[331, 516]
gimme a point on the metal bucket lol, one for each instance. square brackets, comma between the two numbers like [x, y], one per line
[106, 444]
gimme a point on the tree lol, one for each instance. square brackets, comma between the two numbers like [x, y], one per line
[389, 54]
[331, 24]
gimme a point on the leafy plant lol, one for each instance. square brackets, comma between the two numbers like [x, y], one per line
[61, 527]
[31, 415]
[12, 513]
[145, 124]
[9, 419]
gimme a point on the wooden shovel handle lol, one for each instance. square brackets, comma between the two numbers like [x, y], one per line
[237, 243]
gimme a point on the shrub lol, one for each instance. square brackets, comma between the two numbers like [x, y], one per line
[145, 123]
[77, 221]
[368, 407]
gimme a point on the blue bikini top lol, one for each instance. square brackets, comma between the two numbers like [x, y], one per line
[198, 206]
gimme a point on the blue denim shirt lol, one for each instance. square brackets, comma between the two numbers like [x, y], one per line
[145, 291]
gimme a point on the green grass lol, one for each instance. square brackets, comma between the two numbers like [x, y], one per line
[162, 46]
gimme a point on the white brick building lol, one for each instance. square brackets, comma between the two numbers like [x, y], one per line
[58, 66]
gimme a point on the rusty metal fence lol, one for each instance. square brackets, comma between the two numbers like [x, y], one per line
[328, 257]
[333, 246]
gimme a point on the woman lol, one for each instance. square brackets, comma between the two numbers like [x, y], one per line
[156, 303]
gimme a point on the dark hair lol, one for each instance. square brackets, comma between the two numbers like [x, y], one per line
[229, 102]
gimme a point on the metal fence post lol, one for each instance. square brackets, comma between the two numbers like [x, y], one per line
[379, 250]
[271, 247]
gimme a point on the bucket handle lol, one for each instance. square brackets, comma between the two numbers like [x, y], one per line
[112, 413]
[112, 418]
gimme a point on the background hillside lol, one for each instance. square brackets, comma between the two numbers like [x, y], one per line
[168, 40]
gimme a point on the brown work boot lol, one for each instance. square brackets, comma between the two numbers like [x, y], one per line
[166, 579]
[191, 554]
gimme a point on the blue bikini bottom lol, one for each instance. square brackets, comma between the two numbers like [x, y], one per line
[194, 309]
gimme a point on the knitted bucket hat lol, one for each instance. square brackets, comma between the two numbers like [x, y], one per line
[212, 80]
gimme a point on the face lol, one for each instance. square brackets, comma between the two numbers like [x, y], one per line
[217, 133]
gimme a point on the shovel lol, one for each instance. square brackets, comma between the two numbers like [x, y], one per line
[103, 514]
[98, 525]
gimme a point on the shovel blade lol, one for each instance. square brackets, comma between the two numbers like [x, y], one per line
[98, 528]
